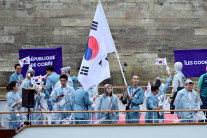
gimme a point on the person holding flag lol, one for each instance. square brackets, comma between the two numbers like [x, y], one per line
[17, 76]
[134, 98]
[95, 60]
[162, 91]
[152, 103]
[40, 104]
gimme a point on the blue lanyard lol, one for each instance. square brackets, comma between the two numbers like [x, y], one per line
[131, 90]
[62, 89]
[18, 81]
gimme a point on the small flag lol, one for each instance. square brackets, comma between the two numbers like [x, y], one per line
[24, 61]
[161, 61]
[38, 79]
[43, 79]
[94, 98]
[148, 88]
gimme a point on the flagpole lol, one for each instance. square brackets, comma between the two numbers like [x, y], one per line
[116, 53]
[167, 67]
[121, 68]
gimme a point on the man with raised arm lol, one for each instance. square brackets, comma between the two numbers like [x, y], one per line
[152, 103]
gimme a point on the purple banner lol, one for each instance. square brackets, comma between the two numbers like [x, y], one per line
[42, 57]
[194, 61]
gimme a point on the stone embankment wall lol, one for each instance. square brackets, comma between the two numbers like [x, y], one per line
[142, 31]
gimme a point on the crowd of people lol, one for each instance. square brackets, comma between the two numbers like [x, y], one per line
[60, 93]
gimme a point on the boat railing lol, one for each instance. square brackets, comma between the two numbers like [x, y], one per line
[114, 117]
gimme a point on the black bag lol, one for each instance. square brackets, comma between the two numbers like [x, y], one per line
[127, 107]
[107, 115]
[124, 101]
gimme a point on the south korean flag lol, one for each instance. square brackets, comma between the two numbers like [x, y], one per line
[24, 61]
[161, 61]
[95, 66]
[37, 79]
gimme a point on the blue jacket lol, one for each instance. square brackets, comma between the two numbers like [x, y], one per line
[151, 104]
[182, 102]
[137, 100]
[50, 83]
[103, 104]
[14, 77]
[75, 82]
[39, 102]
[70, 81]
[163, 88]
[68, 97]
[39, 105]
[12, 98]
[81, 103]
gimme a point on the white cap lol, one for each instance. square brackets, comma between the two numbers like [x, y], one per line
[188, 81]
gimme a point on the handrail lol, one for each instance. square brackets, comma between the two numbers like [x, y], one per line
[3, 100]
[2, 88]
[104, 111]
[115, 87]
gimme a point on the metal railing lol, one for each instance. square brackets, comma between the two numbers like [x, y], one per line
[92, 113]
